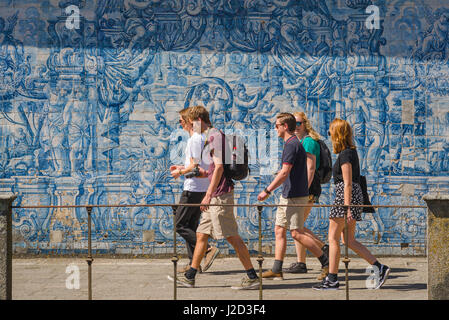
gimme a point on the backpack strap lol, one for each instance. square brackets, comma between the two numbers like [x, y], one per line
[205, 143]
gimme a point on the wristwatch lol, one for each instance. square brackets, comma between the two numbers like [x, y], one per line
[266, 191]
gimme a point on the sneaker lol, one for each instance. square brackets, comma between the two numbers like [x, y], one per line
[247, 283]
[324, 273]
[272, 276]
[187, 267]
[183, 281]
[210, 257]
[326, 284]
[296, 267]
[383, 275]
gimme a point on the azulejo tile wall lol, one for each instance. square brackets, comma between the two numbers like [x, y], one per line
[88, 115]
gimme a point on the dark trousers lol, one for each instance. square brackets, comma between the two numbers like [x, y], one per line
[188, 218]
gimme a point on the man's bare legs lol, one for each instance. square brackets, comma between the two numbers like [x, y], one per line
[300, 249]
[298, 235]
[281, 245]
[242, 251]
[235, 241]
[200, 249]
[307, 241]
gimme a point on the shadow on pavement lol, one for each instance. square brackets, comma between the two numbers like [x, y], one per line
[341, 277]
[406, 287]
[281, 285]
[226, 272]
[393, 270]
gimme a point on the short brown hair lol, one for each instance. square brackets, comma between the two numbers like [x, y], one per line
[287, 118]
[184, 113]
[198, 112]
[341, 135]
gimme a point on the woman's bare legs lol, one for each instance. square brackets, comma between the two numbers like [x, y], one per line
[356, 246]
[336, 226]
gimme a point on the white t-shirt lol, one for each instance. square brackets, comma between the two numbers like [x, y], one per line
[195, 145]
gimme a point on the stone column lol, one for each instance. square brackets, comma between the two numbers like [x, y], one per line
[437, 246]
[6, 246]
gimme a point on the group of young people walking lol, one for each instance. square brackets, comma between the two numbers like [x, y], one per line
[207, 184]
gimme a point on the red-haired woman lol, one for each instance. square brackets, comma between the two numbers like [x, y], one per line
[346, 173]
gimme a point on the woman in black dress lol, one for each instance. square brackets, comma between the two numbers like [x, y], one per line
[346, 173]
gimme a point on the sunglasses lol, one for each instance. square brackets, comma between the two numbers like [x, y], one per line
[298, 123]
[329, 133]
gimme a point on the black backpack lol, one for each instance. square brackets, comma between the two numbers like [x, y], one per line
[236, 165]
[325, 170]
[366, 200]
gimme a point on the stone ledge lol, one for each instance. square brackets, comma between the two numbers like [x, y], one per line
[7, 196]
[437, 196]
[438, 204]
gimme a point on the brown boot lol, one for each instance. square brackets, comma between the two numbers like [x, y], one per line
[324, 273]
[210, 257]
[272, 276]
[187, 267]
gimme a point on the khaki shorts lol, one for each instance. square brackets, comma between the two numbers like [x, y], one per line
[291, 218]
[217, 221]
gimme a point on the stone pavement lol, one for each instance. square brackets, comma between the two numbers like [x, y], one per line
[146, 279]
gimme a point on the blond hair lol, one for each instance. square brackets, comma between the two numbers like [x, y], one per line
[308, 126]
[341, 135]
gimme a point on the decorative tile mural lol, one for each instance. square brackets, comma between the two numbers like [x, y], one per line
[90, 90]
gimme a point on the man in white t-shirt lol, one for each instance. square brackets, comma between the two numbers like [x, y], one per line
[187, 218]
